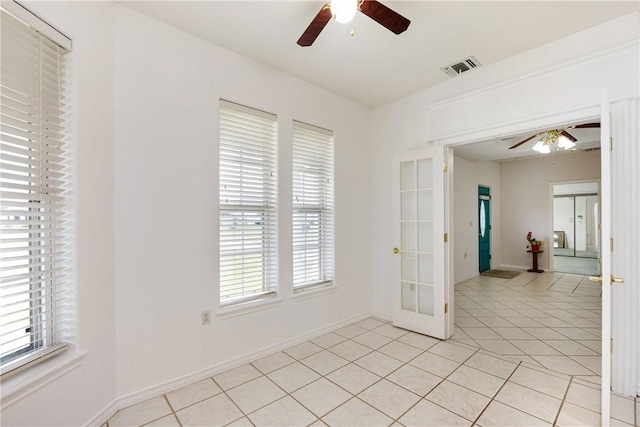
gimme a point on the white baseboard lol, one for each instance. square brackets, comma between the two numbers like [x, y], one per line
[382, 316]
[165, 387]
[467, 277]
[103, 416]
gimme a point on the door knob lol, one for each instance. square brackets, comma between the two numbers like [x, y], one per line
[396, 250]
[613, 279]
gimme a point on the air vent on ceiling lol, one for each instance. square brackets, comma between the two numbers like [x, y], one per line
[460, 67]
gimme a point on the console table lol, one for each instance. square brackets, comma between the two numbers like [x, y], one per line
[535, 262]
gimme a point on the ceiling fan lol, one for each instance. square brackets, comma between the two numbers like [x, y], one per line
[344, 10]
[553, 136]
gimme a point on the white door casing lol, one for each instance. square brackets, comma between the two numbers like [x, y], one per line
[605, 234]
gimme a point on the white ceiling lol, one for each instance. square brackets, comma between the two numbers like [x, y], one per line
[375, 66]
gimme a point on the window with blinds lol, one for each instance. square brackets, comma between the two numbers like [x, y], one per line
[35, 298]
[248, 201]
[312, 206]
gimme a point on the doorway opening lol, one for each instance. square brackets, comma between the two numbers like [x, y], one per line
[576, 211]
[526, 317]
[484, 228]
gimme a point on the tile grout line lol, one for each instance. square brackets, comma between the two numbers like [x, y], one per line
[173, 411]
[376, 382]
[381, 378]
[510, 406]
[564, 398]
[437, 385]
[318, 418]
[496, 394]
[233, 401]
[353, 396]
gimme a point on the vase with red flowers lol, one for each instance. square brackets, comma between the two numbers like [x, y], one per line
[533, 242]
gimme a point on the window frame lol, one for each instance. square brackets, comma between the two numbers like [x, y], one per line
[313, 195]
[248, 175]
[36, 197]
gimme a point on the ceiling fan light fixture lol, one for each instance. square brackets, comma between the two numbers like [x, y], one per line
[541, 147]
[550, 137]
[565, 143]
[343, 11]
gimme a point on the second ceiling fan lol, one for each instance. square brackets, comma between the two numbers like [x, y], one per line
[344, 10]
[552, 136]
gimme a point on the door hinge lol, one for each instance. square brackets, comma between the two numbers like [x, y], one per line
[445, 167]
[446, 308]
[611, 345]
[611, 244]
[446, 237]
[610, 143]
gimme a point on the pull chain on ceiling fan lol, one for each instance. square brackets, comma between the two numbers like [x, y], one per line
[344, 10]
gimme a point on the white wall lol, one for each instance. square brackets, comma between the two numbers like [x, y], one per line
[467, 177]
[146, 212]
[147, 136]
[526, 196]
[167, 88]
[76, 397]
[556, 83]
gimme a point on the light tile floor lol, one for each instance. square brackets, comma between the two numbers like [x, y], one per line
[525, 353]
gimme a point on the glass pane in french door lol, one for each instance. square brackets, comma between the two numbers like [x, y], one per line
[416, 215]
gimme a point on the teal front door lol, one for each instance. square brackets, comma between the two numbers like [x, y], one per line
[484, 228]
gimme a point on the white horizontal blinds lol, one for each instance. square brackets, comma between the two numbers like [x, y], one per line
[248, 249]
[313, 190]
[34, 294]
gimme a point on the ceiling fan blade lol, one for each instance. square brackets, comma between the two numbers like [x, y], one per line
[317, 25]
[585, 126]
[568, 135]
[384, 16]
[522, 142]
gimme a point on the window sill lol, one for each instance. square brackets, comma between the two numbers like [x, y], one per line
[22, 384]
[315, 291]
[248, 307]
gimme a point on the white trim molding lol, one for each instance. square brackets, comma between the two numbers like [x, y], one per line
[162, 388]
[27, 382]
[531, 102]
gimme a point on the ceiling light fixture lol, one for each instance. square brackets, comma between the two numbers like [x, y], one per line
[343, 11]
[553, 136]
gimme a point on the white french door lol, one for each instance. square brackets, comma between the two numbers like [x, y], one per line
[605, 254]
[420, 288]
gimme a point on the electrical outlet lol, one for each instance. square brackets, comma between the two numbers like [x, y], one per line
[206, 317]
